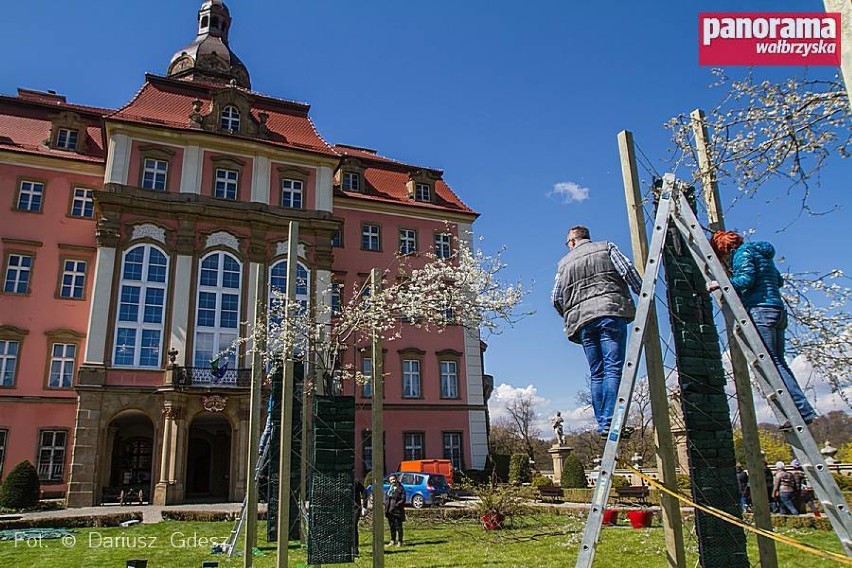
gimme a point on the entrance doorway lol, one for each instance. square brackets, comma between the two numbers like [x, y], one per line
[208, 458]
[131, 460]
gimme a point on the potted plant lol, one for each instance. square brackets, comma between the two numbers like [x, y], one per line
[497, 504]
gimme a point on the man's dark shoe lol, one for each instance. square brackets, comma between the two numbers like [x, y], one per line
[626, 432]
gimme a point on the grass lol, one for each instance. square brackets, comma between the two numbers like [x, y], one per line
[536, 541]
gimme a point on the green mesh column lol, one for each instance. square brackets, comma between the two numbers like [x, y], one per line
[706, 414]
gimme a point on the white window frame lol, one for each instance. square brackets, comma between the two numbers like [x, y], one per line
[367, 372]
[140, 326]
[451, 449]
[414, 445]
[369, 233]
[422, 192]
[73, 279]
[229, 120]
[9, 361]
[449, 371]
[159, 171]
[412, 383]
[66, 139]
[14, 273]
[32, 191]
[84, 202]
[407, 241]
[222, 337]
[227, 184]
[52, 470]
[351, 181]
[62, 365]
[443, 245]
[292, 193]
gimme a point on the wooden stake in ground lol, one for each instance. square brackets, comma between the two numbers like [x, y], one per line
[663, 445]
[287, 405]
[378, 436]
[745, 399]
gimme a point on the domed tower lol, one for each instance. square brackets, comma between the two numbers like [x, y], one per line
[209, 58]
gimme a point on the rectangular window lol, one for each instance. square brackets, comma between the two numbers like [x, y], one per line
[453, 449]
[51, 455]
[73, 279]
[66, 139]
[62, 365]
[336, 298]
[18, 269]
[351, 181]
[422, 192]
[30, 196]
[226, 183]
[291, 193]
[413, 446]
[8, 361]
[337, 239]
[370, 237]
[3, 435]
[411, 379]
[125, 346]
[149, 350]
[83, 204]
[449, 379]
[407, 241]
[367, 371]
[443, 245]
[154, 173]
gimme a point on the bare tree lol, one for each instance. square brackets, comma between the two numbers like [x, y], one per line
[523, 417]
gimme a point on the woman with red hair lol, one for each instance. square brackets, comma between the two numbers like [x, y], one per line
[758, 283]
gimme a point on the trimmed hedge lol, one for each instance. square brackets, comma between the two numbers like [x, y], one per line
[202, 516]
[21, 488]
[573, 475]
[519, 469]
[109, 520]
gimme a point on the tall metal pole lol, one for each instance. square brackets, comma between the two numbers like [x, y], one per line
[739, 365]
[287, 403]
[378, 435]
[254, 416]
[663, 445]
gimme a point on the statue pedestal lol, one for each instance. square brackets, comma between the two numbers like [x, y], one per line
[558, 454]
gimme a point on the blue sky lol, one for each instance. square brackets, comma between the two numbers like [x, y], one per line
[508, 98]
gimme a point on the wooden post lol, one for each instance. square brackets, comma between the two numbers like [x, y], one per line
[378, 436]
[663, 446]
[742, 381]
[844, 7]
[287, 405]
[250, 540]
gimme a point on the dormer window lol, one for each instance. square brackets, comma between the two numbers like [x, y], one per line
[66, 139]
[423, 192]
[230, 119]
[351, 181]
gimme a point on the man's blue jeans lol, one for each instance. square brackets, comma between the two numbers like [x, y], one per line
[786, 504]
[604, 340]
[771, 323]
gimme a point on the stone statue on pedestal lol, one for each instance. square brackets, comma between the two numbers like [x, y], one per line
[556, 423]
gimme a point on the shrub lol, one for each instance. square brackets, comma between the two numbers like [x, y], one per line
[507, 501]
[199, 516]
[843, 482]
[620, 481]
[519, 469]
[684, 481]
[573, 475]
[501, 466]
[541, 481]
[109, 520]
[21, 489]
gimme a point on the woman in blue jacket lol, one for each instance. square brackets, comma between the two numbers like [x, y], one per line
[758, 283]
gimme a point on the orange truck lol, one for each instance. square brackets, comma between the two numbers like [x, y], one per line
[444, 467]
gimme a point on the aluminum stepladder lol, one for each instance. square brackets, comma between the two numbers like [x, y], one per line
[230, 545]
[673, 207]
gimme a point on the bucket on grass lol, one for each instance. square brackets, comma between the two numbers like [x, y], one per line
[640, 519]
[610, 517]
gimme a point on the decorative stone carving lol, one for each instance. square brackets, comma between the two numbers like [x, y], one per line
[172, 412]
[223, 238]
[282, 246]
[149, 230]
[214, 403]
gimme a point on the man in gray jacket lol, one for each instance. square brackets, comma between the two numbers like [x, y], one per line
[592, 294]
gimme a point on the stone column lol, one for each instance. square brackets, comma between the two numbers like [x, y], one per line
[169, 488]
[83, 490]
[107, 234]
[182, 290]
[558, 454]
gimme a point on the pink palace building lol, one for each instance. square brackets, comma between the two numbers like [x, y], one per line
[130, 244]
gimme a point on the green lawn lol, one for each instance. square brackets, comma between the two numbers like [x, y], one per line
[540, 540]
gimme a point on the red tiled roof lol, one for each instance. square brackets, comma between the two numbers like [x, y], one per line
[387, 180]
[25, 126]
[168, 102]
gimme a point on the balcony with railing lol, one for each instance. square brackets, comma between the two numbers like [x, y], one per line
[205, 377]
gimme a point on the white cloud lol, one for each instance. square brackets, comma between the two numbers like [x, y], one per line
[569, 192]
[505, 393]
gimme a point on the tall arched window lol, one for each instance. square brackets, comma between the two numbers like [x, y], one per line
[217, 313]
[278, 282]
[230, 118]
[141, 308]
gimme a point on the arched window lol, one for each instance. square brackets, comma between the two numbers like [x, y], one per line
[230, 119]
[217, 312]
[278, 283]
[141, 308]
